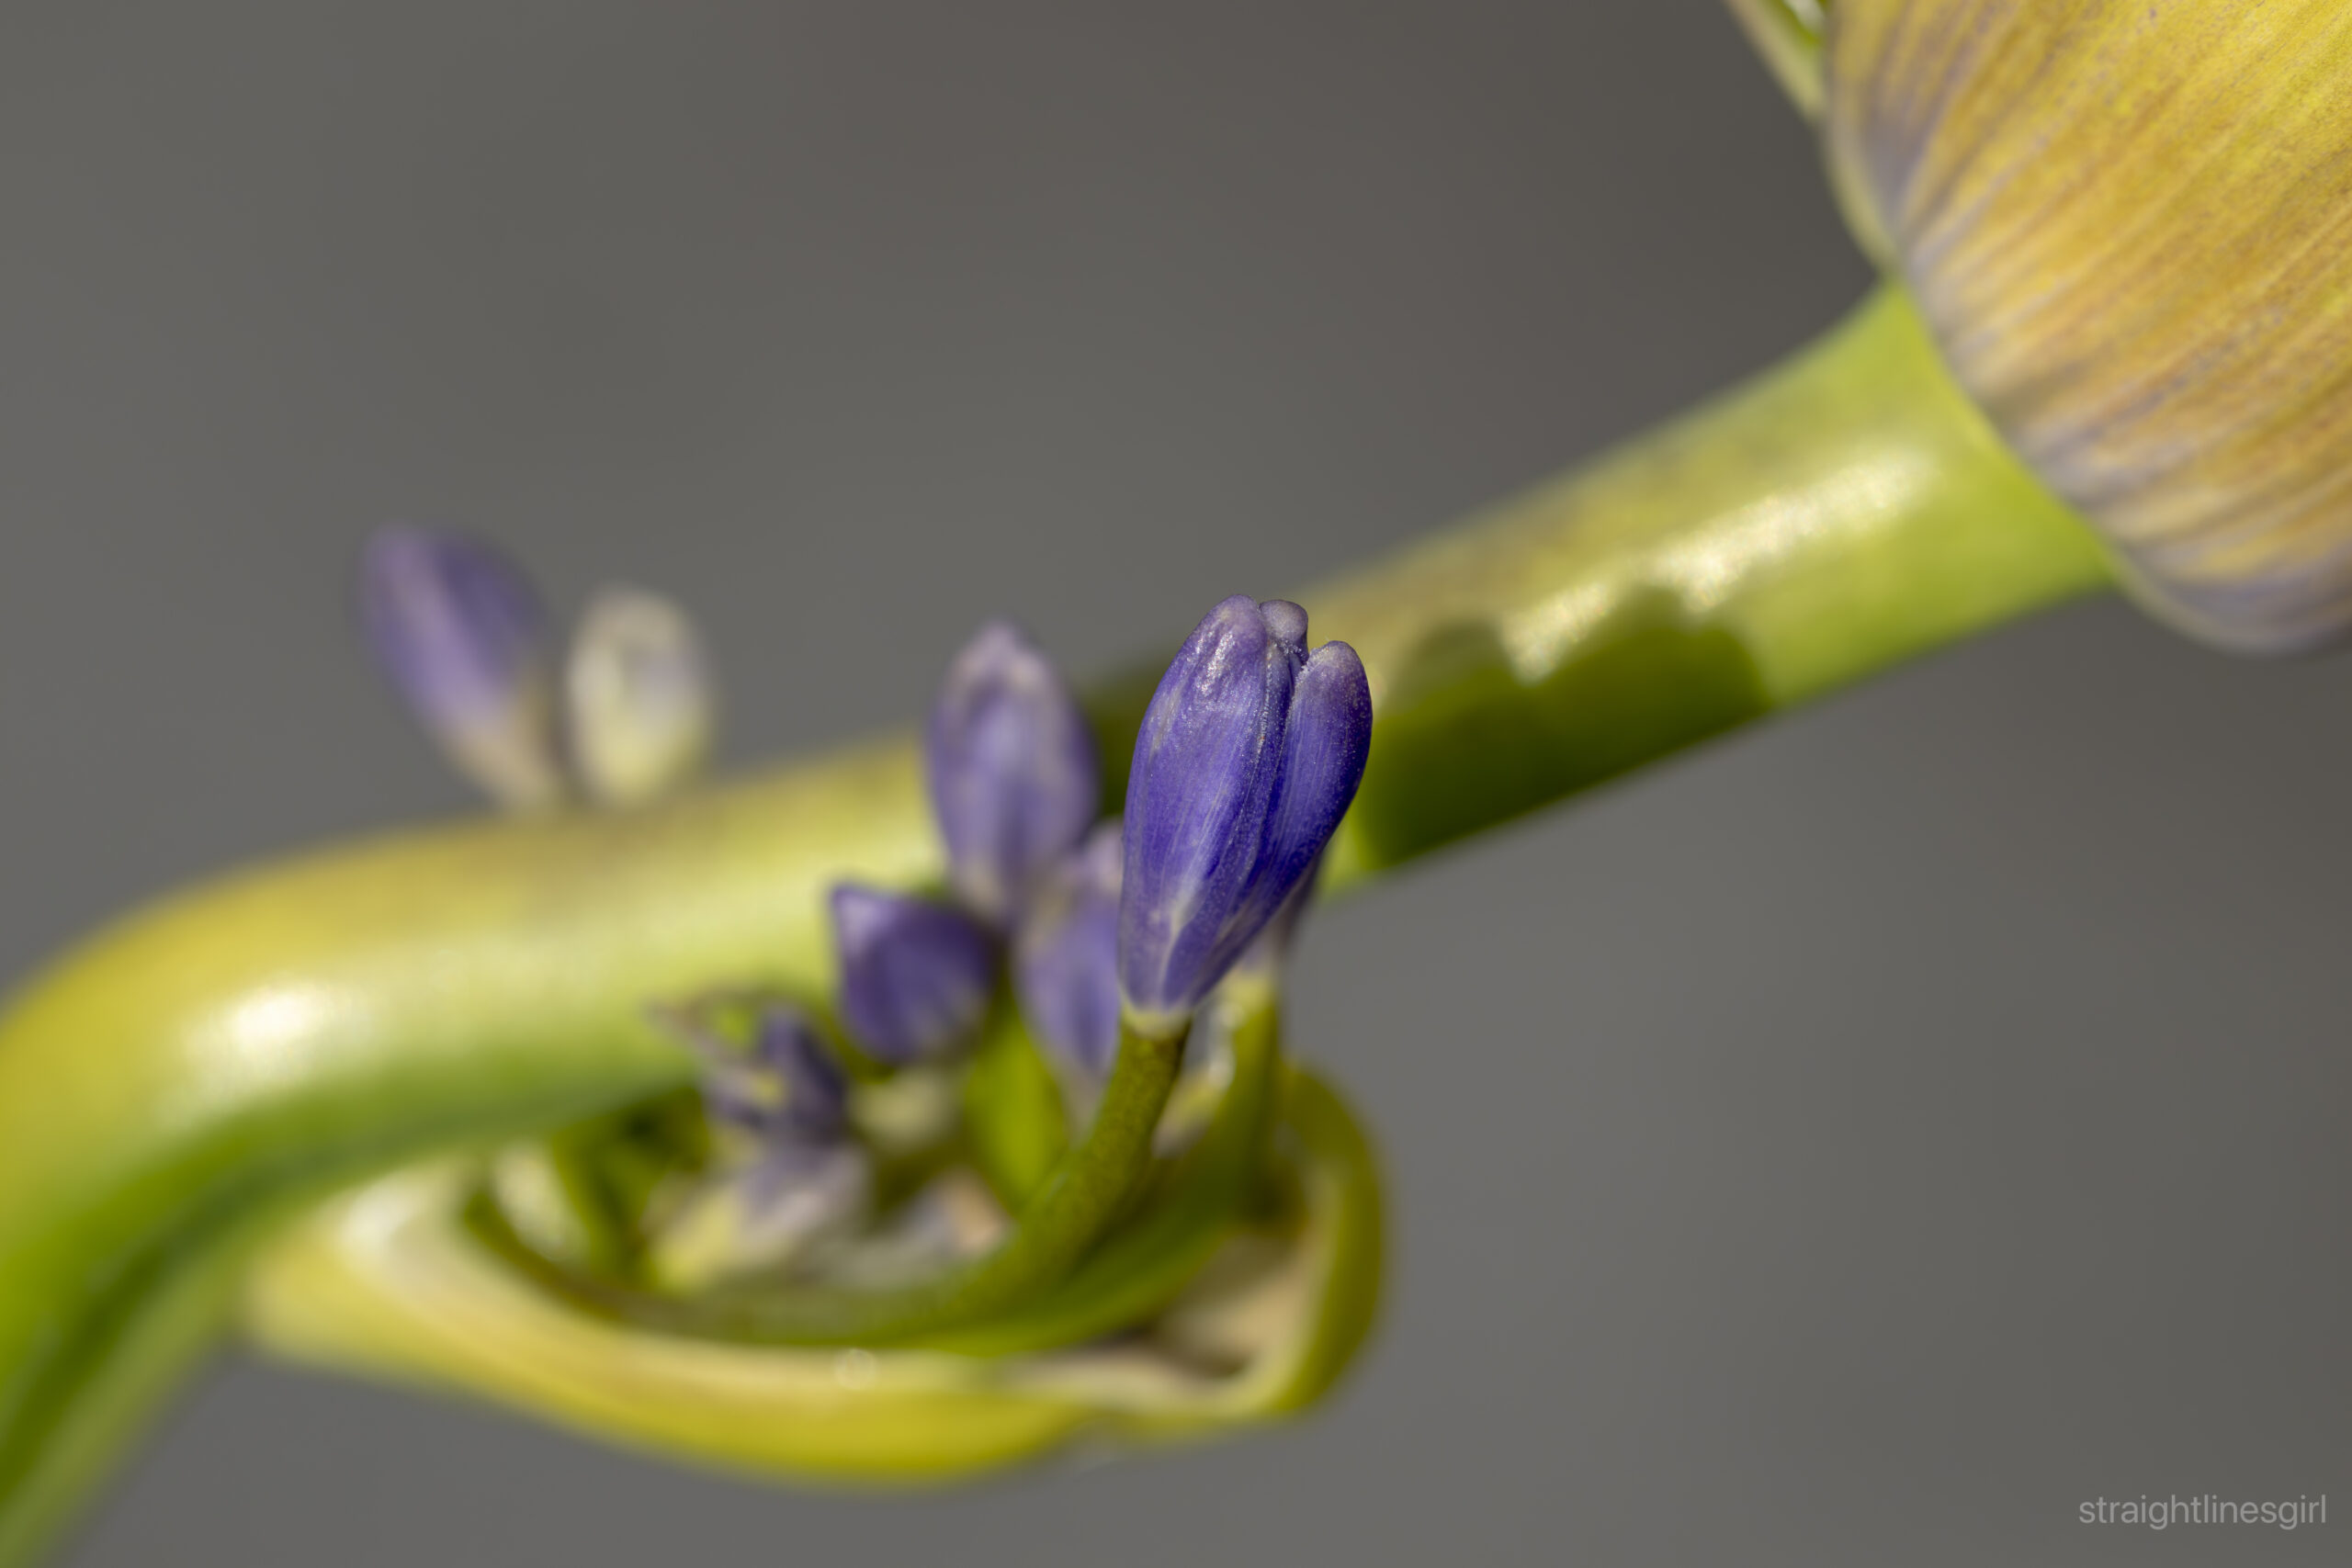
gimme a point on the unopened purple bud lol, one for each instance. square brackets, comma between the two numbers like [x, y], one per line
[916, 976]
[1011, 766]
[816, 1092]
[457, 630]
[1249, 753]
[786, 1087]
[1066, 958]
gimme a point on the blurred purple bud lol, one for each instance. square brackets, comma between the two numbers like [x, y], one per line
[1249, 756]
[1066, 958]
[786, 1087]
[1011, 768]
[916, 976]
[816, 1093]
[455, 626]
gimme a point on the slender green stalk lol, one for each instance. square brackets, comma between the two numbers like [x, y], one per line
[1331, 1149]
[1016, 1116]
[1151, 1255]
[243, 1044]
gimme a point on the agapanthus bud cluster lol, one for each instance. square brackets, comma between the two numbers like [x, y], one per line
[1014, 785]
[1250, 754]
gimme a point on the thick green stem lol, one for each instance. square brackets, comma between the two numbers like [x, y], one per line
[249, 1042]
[1837, 517]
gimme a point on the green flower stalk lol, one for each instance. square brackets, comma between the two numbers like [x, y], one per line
[176, 1093]
[418, 1105]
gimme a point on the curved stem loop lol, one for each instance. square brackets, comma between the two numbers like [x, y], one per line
[1078, 1202]
[239, 1049]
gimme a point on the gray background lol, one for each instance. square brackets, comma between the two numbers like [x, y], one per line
[1857, 1143]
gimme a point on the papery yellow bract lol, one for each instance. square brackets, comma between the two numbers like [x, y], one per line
[2129, 226]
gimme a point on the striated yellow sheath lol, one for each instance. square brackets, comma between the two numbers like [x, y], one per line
[2128, 226]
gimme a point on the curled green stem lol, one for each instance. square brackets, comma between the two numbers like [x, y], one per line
[238, 1049]
[386, 1279]
[1080, 1198]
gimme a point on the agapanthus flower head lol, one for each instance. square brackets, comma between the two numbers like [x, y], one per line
[1011, 769]
[916, 976]
[458, 628]
[639, 697]
[1250, 754]
[1066, 955]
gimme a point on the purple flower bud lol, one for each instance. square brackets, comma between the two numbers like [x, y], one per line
[1066, 958]
[786, 1086]
[458, 628]
[794, 1175]
[816, 1093]
[1011, 766]
[1249, 753]
[916, 976]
